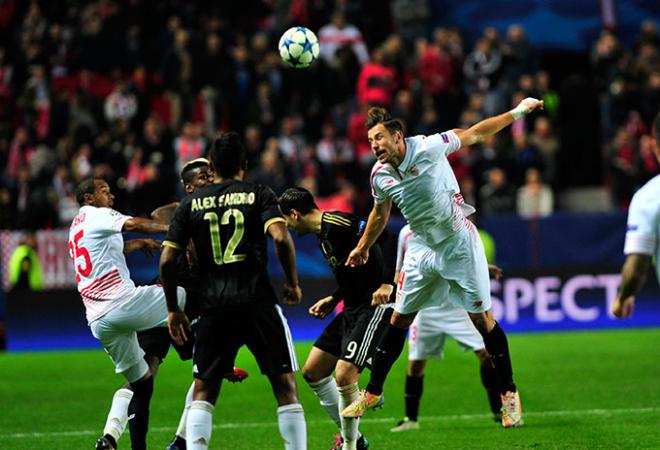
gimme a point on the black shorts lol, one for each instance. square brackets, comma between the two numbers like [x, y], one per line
[260, 326]
[156, 342]
[353, 337]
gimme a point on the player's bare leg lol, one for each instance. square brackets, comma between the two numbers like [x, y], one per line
[388, 350]
[497, 346]
[290, 413]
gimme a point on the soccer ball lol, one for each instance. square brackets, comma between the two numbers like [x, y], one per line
[299, 47]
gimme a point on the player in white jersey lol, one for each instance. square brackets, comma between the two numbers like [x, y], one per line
[445, 260]
[642, 240]
[426, 339]
[116, 309]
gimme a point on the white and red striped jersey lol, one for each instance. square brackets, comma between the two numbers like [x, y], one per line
[424, 187]
[96, 246]
[402, 246]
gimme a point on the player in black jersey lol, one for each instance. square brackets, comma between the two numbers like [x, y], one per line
[347, 343]
[228, 221]
[156, 341]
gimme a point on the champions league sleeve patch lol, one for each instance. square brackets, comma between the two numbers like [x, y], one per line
[631, 227]
[445, 138]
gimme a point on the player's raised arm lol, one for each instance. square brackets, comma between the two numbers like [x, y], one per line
[286, 254]
[146, 226]
[376, 223]
[481, 131]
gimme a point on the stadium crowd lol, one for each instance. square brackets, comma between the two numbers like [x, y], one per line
[129, 91]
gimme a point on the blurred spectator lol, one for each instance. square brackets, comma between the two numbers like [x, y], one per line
[647, 163]
[519, 55]
[547, 144]
[550, 97]
[7, 219]
[334, 154]
[189, 145]
[120, 104]
[338, 33]
[376, 83]
[534, 199]
[24, 267]
[525, 156]
[272, 171]
[622, 167]
[497, 196]
[410, 18]
[481, 66]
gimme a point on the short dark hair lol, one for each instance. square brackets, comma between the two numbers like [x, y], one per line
[377, 115]
[228, 154]
[187, 169]
[297, 198]
[86, 186]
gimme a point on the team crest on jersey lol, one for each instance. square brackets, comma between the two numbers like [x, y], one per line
[414, 171]
[477, 304]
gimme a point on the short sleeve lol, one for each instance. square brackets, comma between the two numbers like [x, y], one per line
[178, 234]
[448, 141]
[642, 228]
[376, 192]
[110, 221]
[269, 209]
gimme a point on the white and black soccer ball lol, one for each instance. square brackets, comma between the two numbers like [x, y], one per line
[299, 47]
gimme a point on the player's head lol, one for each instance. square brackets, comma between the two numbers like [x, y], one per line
[385, 136]
[94, 192]
[296, 204]
[195, 174]
[228, 156]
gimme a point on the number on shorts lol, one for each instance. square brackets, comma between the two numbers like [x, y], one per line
[228, 256]
[350, 349]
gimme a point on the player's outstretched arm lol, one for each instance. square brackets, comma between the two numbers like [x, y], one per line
[481, 131]
[146, 226]
[633, 275]
[286, 254]
[376, 223]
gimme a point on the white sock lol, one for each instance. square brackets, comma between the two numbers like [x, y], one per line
[326, 390]
[199, 425]
[118, 415]
[291, 420]
[349, 427]
[181, 431]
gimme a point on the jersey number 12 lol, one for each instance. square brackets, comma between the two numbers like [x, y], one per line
[228, 256]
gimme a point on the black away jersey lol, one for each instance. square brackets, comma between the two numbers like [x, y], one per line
[227, 223]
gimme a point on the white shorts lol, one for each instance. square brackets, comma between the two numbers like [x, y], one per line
[116, 331]
[431, 327]
[455, 271]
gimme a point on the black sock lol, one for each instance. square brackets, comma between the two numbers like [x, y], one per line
[138, 412]
[111, 440]
[388, 350]
[414, 388]
[498, 347]
[489, 380]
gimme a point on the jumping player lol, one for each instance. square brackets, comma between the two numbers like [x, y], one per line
[445, 260]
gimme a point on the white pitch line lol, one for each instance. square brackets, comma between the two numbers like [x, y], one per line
[221, 426]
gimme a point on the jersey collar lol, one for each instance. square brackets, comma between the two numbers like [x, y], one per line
[407, 158]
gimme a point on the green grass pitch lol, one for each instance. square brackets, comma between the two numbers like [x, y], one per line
[579, 390]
